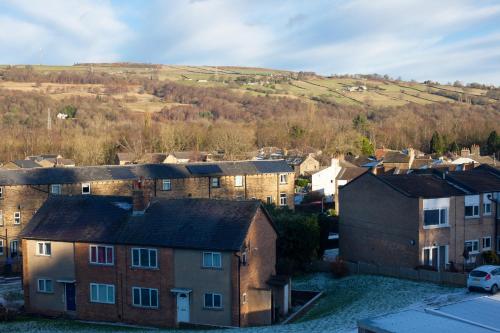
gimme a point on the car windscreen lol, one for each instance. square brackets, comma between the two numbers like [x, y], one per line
[478, 274]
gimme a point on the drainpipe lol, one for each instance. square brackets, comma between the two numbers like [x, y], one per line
[239, 290]
[497, 218]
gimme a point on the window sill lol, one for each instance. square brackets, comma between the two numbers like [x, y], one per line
[144, 268]
[97, 264]
[212, 268]
[105, 303]
[439, 226]
[213, 309]
[45, 292]
[43, 255]
[471, 217]
[146, 307]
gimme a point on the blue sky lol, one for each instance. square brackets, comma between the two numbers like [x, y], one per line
[443, 40]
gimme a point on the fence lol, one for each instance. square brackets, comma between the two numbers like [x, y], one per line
[459, 279]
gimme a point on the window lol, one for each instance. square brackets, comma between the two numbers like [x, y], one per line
[43, 249]
[212, 260]
[487, 203]
[472, 246]
[238, 181]
[45, 286]
[146, 258]
[145, 297]
[244, 258]
[14, 248]
[435, 217]
[1, 247]
[213, 301]
[1, 218]
[472, 206]
[283, 199]
[17, 218]
[283, 178]
[55, 189]
[215, 181]
[102, 293]
[486, 243]
[102, 255]
[244, 299]
[166, 185]
[86, 188]
[1, 192]
[269, 199]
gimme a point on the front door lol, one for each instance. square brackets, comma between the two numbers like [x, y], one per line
[183, 308]
[70, 296]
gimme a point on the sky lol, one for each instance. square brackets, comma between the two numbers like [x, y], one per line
[443, 40]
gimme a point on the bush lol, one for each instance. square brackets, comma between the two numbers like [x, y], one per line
[490, 257]
[301, 182]
[339, 268]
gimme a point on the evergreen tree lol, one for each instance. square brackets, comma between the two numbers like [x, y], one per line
[454, 147]
[437, 144]
[493, 143]
[366, 146]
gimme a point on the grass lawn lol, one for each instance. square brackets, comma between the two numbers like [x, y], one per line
[344, 302]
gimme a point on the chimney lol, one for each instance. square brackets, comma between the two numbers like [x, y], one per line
[475, 150]
[465, 152]
[141, 197]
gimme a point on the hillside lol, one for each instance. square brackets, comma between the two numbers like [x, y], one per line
[143, 108]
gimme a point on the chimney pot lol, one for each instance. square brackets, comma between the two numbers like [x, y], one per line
[141, 198]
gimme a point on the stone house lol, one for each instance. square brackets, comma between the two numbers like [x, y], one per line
[303, 166]
[439, 220]
[153, 261]
[22, 192]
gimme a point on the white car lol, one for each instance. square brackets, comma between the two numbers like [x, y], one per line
[485, 278]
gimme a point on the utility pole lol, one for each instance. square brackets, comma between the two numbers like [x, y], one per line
[49, 120]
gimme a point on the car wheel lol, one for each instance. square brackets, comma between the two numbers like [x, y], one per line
[470, 289]
[494, 289]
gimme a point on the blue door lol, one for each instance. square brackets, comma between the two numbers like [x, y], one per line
[70, 297]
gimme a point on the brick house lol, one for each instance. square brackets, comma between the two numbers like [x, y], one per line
[157, 262]
[442, 220]
[22, 192]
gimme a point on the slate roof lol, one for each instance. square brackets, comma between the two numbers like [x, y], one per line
[422, 185]
[174, 223]
[476, 180]
[26, 164]
[350, 173]
[396, 157]
[42, 176]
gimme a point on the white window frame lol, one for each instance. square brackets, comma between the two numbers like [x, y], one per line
[487, 204]
[205, 306]
[44, 248]
[431, 258]
[1, 217]
[283, 199]
[44, 289]
[483, 248]
[217, 179]
[472, 241]
[141, 264]
[106, 247]
[150, 290]
[84, 185]
[472, 201]
[1, 192]
[440, 224]
[106, 299]
[269, 200]
[283, 178]
[238, 181]
[56, 186]
[212, 255]
[17, 218]
[166, 185]
[244, 258]
[1, 247]
[244, 298]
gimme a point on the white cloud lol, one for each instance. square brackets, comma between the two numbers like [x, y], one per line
[67, 31]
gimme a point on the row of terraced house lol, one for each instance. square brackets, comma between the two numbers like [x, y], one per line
[427, 218]
[23, 192]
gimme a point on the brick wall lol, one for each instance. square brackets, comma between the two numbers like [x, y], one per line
[261, 252]
[123, 277]
[378, 224]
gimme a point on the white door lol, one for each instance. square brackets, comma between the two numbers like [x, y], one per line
[183, 308]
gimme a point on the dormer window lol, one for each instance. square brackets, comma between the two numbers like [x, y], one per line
[86, 188]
